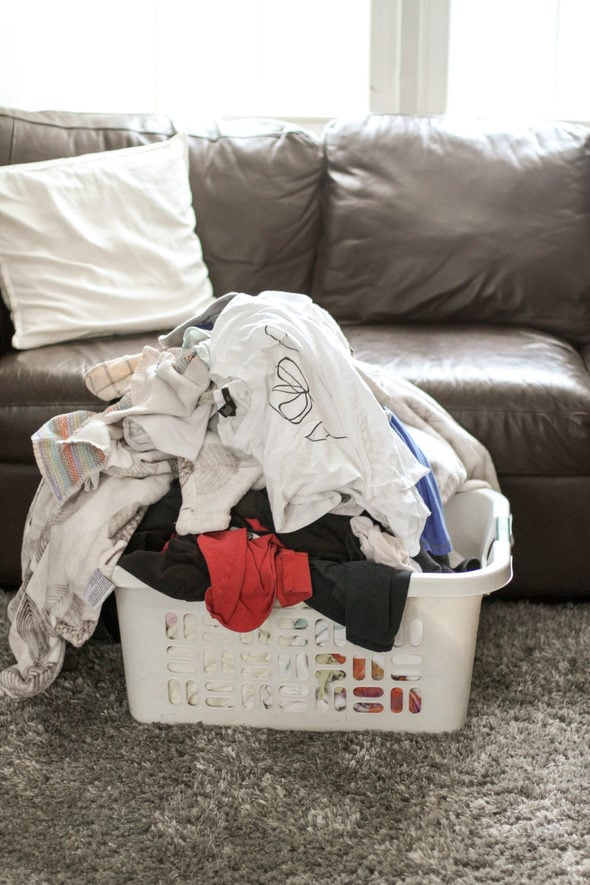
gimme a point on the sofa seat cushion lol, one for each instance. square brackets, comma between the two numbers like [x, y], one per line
[524, 394]
[37, 384]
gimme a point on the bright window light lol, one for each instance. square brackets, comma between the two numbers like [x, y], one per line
[187, 58]
[523, 58]
[270, 57]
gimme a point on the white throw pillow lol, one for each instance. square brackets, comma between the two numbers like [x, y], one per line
[100, 244]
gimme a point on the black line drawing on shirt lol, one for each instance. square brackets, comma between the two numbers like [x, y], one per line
[296, 400]
[280, 340]
[319, 433]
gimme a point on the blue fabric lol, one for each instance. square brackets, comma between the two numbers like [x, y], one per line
[435, 537]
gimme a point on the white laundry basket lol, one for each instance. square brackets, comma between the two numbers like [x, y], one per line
[297, 671]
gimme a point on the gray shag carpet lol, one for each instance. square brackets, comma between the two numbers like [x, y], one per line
[91, 796]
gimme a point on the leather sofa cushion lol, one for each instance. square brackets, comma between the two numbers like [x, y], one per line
[29, 136]
[524, 394]
[257, 191]
[430, 220]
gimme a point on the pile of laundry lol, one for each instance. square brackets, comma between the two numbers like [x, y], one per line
[250, 460]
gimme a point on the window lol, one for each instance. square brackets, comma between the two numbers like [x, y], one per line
[524, 58]
[263, 57]
[201, 58]
[308, 60]
[188, 58]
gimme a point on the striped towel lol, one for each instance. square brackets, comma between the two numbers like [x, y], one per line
[67, 465]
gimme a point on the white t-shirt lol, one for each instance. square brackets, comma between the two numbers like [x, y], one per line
[303, 411]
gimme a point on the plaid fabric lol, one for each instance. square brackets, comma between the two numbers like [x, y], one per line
[111, 379]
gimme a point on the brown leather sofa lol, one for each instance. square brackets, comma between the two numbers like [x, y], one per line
[455, 254]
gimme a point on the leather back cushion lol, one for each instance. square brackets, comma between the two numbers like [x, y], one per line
[257, 188]
[430, 220]
[26, 137]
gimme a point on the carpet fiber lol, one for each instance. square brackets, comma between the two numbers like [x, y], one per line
[90, 796]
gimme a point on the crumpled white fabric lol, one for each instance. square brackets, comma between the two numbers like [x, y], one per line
[179, 436]
[458, 460]
[304, 412]
[379, 546]
[165, 402]
[157, 387]
[63, 545]
[212, 484]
